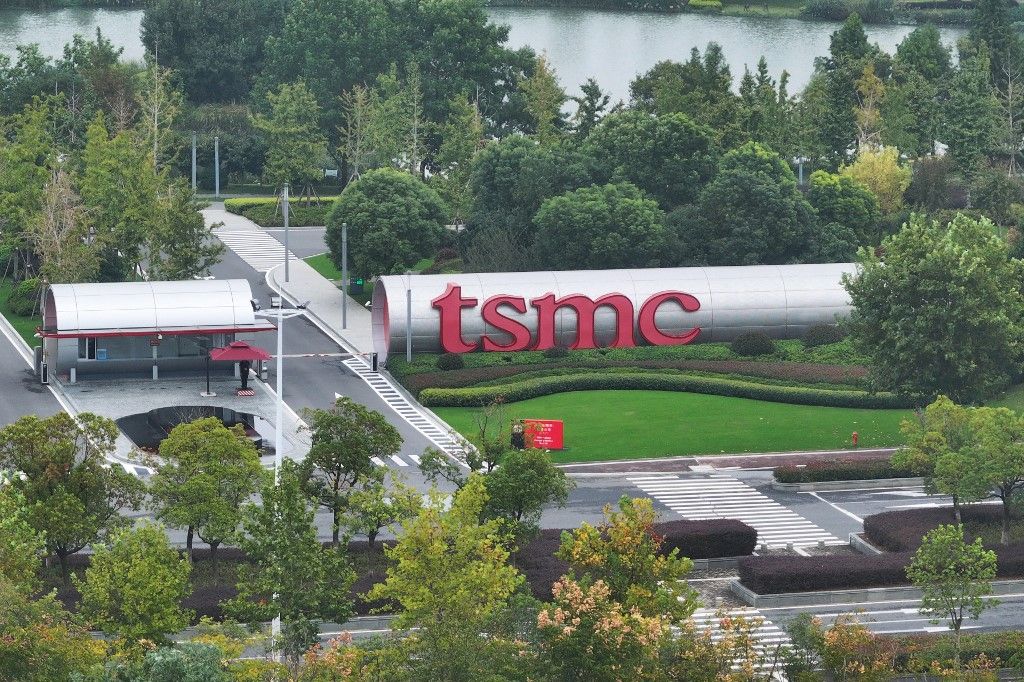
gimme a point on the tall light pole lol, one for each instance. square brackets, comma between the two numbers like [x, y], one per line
[284, 210]
[344, 275]
[193, 163]
[275, 625]
[216, 166]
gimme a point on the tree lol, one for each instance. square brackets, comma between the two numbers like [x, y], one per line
[544, 100]
[41, 640]
[1000, 433]
[291, 575]
[870, 91]
[60, 234]
[345, 439]
[591, 106]
[938, 310]
[522, 486]
[451, 578]
[159, 106]
[882, 173]
[180, 245]
[751, 213]
[461, 136]
[970, 120]
[669, 156]
[911, 115]
[767, 113]
[394, 220]
[836, 121]
[23, 546]
[295, 145]
[625, 554]
[954, 578]
[923, 52]
[995, 193]
[611, 226]
[215, 47]
[204, 473]
[185, 662]
[840, 199]
[374, 505]
[133, 588]
[74, 498]
[25, 160]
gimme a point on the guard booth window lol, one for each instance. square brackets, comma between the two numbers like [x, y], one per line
[87, 348]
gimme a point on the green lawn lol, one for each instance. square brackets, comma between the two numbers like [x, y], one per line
[326, 267]
[26, 326]
[633, 424]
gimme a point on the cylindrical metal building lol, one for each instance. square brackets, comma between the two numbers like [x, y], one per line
[596, 308]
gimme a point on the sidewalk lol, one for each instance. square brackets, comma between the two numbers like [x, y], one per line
[306, 284]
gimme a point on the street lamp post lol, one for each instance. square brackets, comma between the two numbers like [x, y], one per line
[284, 209]
[344, 275]
[275, 625]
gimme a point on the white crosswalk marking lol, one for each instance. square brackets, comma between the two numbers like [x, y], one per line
[769, 638]
[719, 496]
[405, 408]
[255, 247]
[399, 461]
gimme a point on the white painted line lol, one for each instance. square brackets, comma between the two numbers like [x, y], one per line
[399, 461]
[838, 508]
[378, 461]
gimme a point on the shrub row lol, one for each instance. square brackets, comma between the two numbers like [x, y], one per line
[238, 205]
[840, 470]
[902, 530]
[695, 539]
[534, 388]
[915, 653]
[780, 574]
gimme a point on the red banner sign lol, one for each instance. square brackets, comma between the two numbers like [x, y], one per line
[544, 434]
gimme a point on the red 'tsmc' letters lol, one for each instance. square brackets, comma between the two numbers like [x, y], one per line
[451, 303]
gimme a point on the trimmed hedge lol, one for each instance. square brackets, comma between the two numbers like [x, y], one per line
[264, 211]
[823, 335]
[840, 470]
[781, 574]
[449, 362]
[534, 388]
[752, 344]
[902, 530]
[708, 539]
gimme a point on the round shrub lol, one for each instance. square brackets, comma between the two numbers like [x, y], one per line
[753, 344]
[450, 361]
[555, 352]
[24, 298]
[822, 335]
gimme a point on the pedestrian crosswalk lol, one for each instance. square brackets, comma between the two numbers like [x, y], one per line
[407, 410]
[769, 640]
[255, 247]
[719, 496]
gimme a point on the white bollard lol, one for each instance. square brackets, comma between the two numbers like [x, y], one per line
[73, 375]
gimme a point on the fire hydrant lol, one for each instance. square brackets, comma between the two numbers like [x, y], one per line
[854, 438]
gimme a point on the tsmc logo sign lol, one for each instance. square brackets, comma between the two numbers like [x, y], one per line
[451, 303]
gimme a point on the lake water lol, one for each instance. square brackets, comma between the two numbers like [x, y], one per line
[612, 47]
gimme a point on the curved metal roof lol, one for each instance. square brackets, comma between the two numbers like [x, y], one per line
[167, 307]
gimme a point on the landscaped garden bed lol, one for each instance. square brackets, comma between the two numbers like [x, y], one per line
[827, 470]
[266, 211]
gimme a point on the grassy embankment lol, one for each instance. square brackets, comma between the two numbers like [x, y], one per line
[26, 326]
[323, 264]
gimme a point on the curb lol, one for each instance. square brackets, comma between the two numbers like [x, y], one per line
[1004, 588]
[28, 354]
[717, 562]
[862, 545]
[858, 484]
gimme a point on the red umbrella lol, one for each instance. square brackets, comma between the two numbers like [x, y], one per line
[236, 351]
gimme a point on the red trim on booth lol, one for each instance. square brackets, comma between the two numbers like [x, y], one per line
[150, 332]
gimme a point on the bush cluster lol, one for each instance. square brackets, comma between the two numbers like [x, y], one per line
[450, 361]
[704, 5]
[780, 574]
[840, 470]
[822, 335]
[752, 344]
[265, 212]
[597, 381]
[902, 530]
[870, 11]
[24, 298]
[555, 352]
[918, 652]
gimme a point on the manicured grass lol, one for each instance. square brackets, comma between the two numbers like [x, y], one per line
[326, 267]
[26, 326]
[602, 425]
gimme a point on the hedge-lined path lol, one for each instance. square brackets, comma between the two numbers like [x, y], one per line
[719, 496]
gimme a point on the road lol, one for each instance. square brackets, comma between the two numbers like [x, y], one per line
[22, 393]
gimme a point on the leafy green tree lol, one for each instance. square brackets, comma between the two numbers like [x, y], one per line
[939, 309]
[911, 115]
[393, 219]
[840, 199]
[451, 578]
[1000, 433]
[74, 498]
[993, 32]
[970, 119]
[215, 47]
[204, 473]
[880, 171]
[994, 192]
[461, 136]
[591, 106]
[295, 145]
[625, 554]
[954, 578]
[59, 234]
[942, 446]
[544, 100]
[751, 213]
[375, 505]
[345, 439]
[836, 122]
[522, 486]
[41, 640]
[25, 160]
[23, 546]
[669, 156]
[185, 662]
[611, 226]
[291, 575]
[133, 588]
[923, 52]
[179, 245]
[767, 114]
